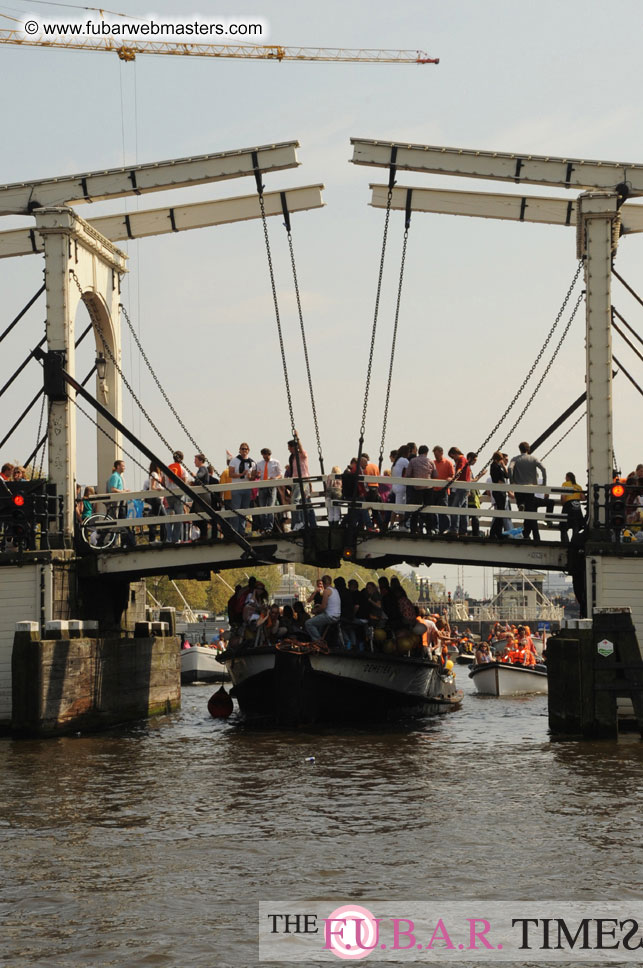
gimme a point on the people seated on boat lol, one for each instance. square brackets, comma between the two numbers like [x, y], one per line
[370, 606]
[347, 621]
[315, 597]
[256, 604]
[270, 628]
[329, 611]
[301, 616]
[237, 601]
[390, 604]
[483, 654]
[405, 608]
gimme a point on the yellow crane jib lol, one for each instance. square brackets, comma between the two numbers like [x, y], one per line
[128, 52]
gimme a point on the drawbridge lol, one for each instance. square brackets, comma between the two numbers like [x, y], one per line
[84, 264]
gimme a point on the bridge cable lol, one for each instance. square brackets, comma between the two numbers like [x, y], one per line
[407, 224]
[96, 323]
[630, 378]
[615, 312]
[31, 405]
[545, 371]
[21, 367]
[262, 207]
[22, 312]
[159, 384]
[284, 205]
[536, 361]
[566, 434]
[629, 289]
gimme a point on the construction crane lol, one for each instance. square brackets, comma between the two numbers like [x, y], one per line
[128, 51]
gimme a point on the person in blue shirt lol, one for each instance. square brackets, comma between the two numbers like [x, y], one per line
[119, 510]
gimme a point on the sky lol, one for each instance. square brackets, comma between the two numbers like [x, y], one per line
[553, 77]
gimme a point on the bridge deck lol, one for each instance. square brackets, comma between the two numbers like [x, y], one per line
[325, 546]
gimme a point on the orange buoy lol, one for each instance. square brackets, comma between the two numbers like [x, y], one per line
[220, 704]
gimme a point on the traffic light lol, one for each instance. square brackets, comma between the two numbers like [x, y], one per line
[617, 505]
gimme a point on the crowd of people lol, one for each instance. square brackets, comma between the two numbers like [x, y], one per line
[380, 616]
[349, 492]
[509, 644]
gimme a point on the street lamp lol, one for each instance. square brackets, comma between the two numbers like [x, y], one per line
[101, 370]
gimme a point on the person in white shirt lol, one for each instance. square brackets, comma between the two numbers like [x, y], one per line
[242, 468]
[267, 469]
[329, 611]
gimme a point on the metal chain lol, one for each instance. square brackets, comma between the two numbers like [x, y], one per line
[566, 434]
[277, 316]
[362, 428]
[390, 369]
[305, 346]
[109, 437]
[536, 361]
[201, 514]
[159, 385]
[42, 411]
[545, 371]
[96, 322]
[44, 439]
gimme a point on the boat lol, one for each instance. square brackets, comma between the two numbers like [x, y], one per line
[504, 679]
[303, 683]
[465, 658]
[199, 664]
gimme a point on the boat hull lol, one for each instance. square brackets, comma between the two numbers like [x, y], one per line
[502, 679]
[199, 664]
[291, 688]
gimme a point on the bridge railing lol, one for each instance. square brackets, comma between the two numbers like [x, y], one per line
[326, 507]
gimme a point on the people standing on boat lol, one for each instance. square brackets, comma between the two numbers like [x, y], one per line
[458, 496]
[499, 475]
[431, 637]
[267, 469]
[420, 466]
[444, 470]
[329, 611]
[524, 470]
[298, 465]
[242, 468]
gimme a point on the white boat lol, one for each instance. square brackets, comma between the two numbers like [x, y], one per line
[503, 679]
[199, 664]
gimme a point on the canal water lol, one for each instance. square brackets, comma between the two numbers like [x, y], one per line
[152, 846]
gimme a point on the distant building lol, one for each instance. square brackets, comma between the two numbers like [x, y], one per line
[293, 588]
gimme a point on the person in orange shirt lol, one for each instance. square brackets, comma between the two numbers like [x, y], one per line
[444, 470]
[371, 489]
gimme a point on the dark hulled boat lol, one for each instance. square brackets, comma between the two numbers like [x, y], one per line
[295, 684]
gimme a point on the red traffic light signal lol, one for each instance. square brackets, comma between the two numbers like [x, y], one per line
[18, 500]
[617, 505]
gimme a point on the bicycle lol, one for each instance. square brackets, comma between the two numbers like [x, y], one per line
[96, 533]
